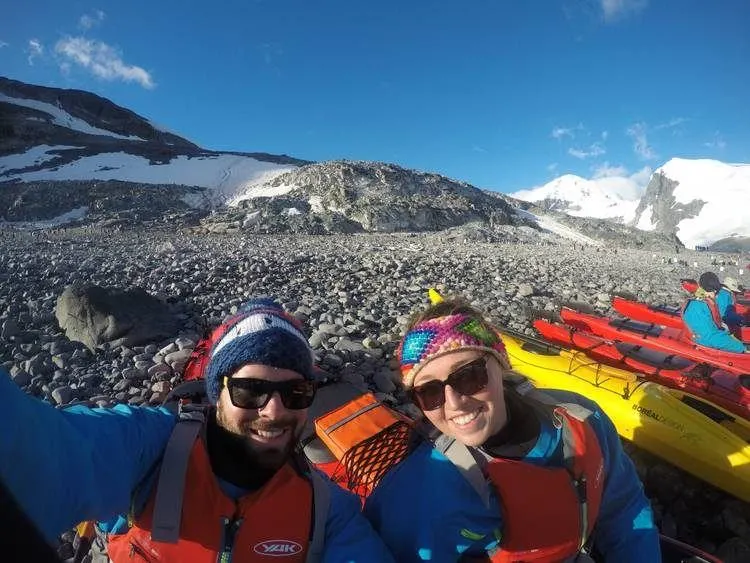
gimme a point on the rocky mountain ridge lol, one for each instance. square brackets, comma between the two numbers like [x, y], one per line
[71, 154]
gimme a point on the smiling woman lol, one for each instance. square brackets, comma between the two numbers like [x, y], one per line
[554, 464]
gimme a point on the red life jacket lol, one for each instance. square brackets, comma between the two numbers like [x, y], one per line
[713, 309]
[548, 512]
[271, 522]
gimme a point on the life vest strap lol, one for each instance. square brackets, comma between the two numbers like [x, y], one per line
[460, 456]
[171, 484]
[321, 503]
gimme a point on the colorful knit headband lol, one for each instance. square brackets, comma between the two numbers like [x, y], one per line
[439, 336]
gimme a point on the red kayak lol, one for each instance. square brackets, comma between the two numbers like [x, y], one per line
[665, 316]
[657, 338]
[718, 386]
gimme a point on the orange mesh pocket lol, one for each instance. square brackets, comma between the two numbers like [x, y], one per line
[365, 464]
[345, 427]
[367, 437]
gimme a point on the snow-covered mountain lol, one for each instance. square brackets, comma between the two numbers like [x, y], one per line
[701, 201]
[604, 198]
[56, 134]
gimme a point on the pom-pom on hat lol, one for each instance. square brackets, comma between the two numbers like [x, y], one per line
[438, 336]
[260, 333]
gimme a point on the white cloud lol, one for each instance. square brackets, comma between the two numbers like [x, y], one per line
[717, 142]
[604, 170]
[560, 132]
[638, 131]
[617, 179]
[605, 134]
[671, 124]
[594, 150]
[102, 60]
[479, 149]
[643, 176]
[552, 167]
[3, 44]
[617, 9]
[35, 49]
[87, 21]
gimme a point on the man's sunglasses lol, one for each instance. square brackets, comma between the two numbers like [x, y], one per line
[249, 393]
[469, 379]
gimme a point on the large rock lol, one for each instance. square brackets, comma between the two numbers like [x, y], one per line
[93, 315]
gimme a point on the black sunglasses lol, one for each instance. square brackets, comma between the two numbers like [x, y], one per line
[249, 393]
[469, 379]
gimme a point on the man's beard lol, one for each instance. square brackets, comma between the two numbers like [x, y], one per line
[266, 458]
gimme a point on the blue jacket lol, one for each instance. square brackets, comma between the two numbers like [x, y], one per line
[66, 466]
[697, 317]
[725, 303]
[425, 510]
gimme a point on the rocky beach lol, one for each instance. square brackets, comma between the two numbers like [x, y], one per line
[353, 293]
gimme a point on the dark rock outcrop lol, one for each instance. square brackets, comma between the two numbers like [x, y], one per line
[94, 315]
[666, 212]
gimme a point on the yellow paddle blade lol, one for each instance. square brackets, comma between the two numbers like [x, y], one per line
[434, 296]
[85, 529]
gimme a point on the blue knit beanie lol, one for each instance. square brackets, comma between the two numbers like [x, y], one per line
[260, 333]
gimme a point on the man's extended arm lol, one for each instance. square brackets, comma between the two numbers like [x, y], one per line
[65, 466]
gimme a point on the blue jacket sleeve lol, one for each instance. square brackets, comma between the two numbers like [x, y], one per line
[698, 319]
[349, 537]
[625, 529]
[66, 466]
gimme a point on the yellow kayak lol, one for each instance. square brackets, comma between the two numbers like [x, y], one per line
[691, 433]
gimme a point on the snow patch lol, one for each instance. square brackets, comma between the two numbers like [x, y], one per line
[289, 211]
[644, 222]
[549, 224]
[316, 204]
[63, 118]
[258, 187]
[231, 177]
[32, 157]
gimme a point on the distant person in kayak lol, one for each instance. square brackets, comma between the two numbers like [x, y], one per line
[242, 492]
[726, 301]
[508, 473]
[704, 321]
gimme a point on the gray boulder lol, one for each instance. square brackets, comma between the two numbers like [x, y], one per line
[94, 315]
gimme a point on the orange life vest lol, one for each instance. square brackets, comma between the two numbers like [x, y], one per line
[549, 513]
[271, 522]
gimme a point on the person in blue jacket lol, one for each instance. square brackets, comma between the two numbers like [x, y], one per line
[504, 472]
[703, 318]
[245, 494]
[726, 302]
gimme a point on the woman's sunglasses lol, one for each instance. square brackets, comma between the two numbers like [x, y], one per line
[469, 379]
[249, 393]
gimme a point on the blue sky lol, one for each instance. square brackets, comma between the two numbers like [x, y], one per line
[503, 94]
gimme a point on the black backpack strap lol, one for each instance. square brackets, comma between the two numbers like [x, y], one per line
[170, 487]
